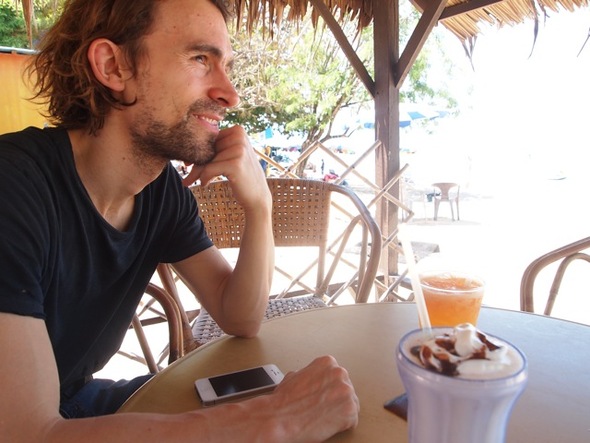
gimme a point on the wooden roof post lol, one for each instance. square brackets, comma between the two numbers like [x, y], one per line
[386, 29]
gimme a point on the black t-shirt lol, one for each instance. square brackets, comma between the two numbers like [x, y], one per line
[62, 262]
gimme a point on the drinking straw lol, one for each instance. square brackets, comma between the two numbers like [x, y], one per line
[402, 235]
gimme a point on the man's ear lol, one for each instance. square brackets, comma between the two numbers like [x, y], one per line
[108, 64]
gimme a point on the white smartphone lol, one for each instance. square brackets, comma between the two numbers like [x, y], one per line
[239, 384]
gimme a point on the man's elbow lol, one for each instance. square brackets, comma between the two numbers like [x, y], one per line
[247, 329]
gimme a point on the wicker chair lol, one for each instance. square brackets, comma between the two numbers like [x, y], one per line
[301, 215]
[567, 254]
[170, 310]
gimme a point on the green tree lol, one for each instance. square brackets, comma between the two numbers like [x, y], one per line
[300, 80]
[12, 28]
[34, 18]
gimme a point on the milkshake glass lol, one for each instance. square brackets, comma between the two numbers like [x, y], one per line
[457, 409]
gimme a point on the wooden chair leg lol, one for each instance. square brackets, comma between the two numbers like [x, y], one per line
[145, 348]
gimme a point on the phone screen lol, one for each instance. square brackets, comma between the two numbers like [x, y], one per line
[240, 381]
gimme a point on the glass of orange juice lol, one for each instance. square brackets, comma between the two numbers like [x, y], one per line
[452, 297]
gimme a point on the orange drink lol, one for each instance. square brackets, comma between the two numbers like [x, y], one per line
[452, 298]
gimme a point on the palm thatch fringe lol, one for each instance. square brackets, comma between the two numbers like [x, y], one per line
[466, 25]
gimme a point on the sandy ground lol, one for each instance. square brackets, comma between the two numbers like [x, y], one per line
[499, 235]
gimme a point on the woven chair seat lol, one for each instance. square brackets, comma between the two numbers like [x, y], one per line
[205, 329]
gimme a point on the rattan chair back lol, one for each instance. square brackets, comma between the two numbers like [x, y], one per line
[300, 217]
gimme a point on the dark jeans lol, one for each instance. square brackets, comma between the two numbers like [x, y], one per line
[98, 397]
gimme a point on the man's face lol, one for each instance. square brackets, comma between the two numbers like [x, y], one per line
[182, 87]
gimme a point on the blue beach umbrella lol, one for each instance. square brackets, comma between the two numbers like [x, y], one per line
[409, 112]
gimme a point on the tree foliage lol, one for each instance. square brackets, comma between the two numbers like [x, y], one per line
[296, 82]
[34, 17]
[300, 80]
[12, 28]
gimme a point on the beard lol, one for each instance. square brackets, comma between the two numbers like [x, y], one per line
[153, 138]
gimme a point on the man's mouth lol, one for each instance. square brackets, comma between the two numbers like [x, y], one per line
[211, 121]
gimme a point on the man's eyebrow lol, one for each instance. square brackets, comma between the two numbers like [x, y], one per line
[213, 50]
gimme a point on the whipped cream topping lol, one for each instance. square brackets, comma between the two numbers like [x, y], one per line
[465, 352]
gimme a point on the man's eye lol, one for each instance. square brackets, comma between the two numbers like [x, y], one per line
[200, 58]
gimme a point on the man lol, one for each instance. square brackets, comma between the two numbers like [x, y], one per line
[88, 209]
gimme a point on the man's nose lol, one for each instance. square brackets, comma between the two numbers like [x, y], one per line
[224, 92]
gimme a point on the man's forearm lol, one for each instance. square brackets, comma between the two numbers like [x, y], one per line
[240, 422]
[246, 294]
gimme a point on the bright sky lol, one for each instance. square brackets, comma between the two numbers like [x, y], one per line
[521, 108]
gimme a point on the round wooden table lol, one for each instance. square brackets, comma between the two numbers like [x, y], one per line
[555, 406]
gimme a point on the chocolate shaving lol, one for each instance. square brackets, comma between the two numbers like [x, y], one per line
[415, 351]
[446, 342]
[484, 339]
[447, 367]
[480, 354]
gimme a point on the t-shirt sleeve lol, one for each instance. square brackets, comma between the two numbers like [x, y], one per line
[189, 236]
[23, 239]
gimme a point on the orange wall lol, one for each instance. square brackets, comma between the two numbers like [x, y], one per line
[16, 112]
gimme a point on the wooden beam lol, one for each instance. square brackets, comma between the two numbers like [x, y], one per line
[427, 22]
[462, 8]
[347, 48]
[386, 55]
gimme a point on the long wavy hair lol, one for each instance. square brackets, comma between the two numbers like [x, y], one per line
[61, 73]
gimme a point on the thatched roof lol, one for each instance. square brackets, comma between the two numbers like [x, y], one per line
[507, 12]
[462, 18]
